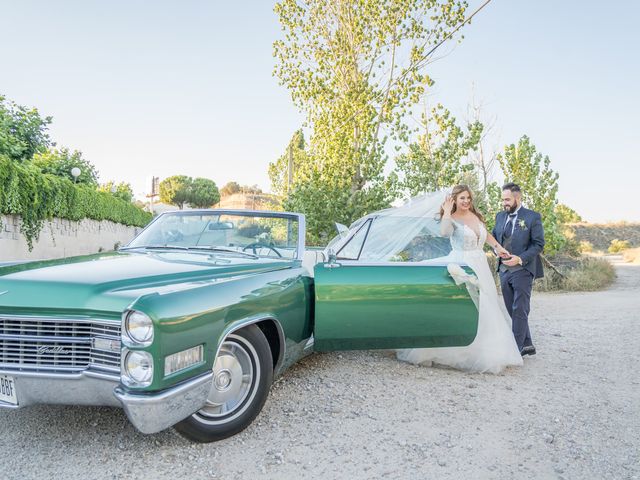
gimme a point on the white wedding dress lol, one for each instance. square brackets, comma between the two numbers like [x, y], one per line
[494, 347]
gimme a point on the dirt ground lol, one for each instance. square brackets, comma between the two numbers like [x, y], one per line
[572, 412]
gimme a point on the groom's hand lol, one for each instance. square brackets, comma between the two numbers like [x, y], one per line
[513, 261]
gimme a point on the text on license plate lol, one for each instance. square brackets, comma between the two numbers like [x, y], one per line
[8, 390]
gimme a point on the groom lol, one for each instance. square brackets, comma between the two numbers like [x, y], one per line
[520, 232]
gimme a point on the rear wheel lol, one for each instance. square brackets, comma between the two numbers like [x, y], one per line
[242, 376]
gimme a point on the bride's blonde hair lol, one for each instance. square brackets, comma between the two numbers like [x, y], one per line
[457, 190]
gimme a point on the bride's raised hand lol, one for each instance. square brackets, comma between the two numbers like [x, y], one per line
[447, 205]
[502, 252]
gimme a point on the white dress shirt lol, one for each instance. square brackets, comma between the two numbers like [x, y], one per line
[515, 219]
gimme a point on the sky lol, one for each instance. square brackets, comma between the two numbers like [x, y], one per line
[162, 88]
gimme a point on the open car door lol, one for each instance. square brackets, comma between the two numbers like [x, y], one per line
[390, 305]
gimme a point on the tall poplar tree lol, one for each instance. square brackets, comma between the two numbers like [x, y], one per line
[355, 68]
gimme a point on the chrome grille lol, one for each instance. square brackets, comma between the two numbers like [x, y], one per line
[52, 345]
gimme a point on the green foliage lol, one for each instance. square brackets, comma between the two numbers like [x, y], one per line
[279, 170]
[36, 197]
[23, 132]
[566, 214]
[489, 202]
[355, 68]
[234, 187]
[61, 162]
[230, 188]
[175, 190]
[618, 246]
[180, 190]
[203, 193]
[121, 190]
[525, 166]
[436, 161]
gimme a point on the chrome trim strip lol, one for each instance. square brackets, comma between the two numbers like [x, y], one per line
[65, 376]
[154, 412]
[70, 319]
[62, 338]
[310, 342]
[115, 376]
[423, 263]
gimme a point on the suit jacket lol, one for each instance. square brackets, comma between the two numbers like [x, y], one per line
[527, 240]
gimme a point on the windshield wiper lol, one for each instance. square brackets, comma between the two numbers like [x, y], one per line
[202, 247]
[159, 247]
[222, 249]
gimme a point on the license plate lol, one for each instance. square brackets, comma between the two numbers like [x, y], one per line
[8, 390]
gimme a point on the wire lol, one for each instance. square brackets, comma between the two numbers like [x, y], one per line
[447, 37]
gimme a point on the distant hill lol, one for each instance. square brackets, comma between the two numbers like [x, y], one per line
[248, 201]
[601, 234]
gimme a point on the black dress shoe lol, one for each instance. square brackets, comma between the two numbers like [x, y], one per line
[528, 350]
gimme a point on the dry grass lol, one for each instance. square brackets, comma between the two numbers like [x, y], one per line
[590, 274]
[631, 255]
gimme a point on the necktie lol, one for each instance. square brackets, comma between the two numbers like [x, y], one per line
[508, 228]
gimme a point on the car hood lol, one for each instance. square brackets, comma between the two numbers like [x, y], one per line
[110, 282]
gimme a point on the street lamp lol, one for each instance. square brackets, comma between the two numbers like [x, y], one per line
[75, 172]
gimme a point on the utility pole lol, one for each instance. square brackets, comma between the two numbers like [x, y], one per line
[155, 183]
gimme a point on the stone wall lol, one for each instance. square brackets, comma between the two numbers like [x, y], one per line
[62, 238]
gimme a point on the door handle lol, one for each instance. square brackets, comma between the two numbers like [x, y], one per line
[332, 265]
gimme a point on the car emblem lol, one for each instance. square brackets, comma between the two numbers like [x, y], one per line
[57, 350]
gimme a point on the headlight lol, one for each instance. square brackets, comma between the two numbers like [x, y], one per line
[138, 327]
[137, 368]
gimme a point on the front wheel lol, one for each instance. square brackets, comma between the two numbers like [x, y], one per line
[242, 376]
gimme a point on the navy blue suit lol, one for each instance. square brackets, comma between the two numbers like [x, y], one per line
[527, 242]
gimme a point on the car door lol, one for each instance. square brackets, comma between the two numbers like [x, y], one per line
[370, 305]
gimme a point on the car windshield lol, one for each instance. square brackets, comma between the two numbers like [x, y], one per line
[392, 238]
[251, 234]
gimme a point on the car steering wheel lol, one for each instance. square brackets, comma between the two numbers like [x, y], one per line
[174, 236]
[254, 246]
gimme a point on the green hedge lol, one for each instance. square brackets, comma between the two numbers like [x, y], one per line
[37, 197]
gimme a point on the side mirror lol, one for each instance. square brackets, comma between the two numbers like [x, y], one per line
[332, 261]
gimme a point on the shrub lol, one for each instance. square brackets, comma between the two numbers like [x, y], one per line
[36, 197]
[585, 246]
[618, 246]
[589, 274]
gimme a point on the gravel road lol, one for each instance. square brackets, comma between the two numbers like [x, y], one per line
[572, 411]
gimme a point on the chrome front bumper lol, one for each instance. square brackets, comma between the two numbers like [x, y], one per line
[148, 412]
[153, 412]
[84, 388]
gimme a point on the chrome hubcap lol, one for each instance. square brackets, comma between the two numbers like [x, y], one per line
[233, 374]
[222, 380]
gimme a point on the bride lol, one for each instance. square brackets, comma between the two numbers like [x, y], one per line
[494, 347]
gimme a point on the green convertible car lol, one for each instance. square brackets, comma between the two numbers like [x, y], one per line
[189, 323]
